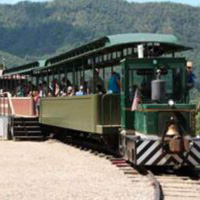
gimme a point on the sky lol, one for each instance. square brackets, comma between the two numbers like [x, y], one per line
[190, 2]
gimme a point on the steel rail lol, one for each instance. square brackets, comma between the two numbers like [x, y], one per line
[157, 186]
[179, 184]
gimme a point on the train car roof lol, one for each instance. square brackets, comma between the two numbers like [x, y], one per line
[169, 43]
[140, 38]
[23, 69]
[127, 39]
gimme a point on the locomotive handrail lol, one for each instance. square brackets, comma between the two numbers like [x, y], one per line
[110, 109]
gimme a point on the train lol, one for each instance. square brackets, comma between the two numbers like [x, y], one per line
[150, 121]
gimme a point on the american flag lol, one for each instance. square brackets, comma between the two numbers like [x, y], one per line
[136, 100]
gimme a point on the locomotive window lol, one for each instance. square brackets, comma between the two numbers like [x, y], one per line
[141, 79]
[151, 71]
[144, 71]
[168, 81]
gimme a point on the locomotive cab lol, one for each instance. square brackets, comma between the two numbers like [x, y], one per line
[158, 121]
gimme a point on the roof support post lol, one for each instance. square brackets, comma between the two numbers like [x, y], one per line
[3, 83]
[6, 83]
[42, 76]
[37, 81]
[59, 78]
[47, 80]
[103, 69]
[11, 83]
[31, 89]
[76, 77]
[83, 75]
[93, 79]
[53, 75]
[66, 74]
[73, 76]
[111, 68]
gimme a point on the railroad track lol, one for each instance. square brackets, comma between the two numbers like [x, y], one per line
[139, 174]
[167, 185]
[179, 186]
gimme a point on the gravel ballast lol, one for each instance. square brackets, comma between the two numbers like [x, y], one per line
[55, 171]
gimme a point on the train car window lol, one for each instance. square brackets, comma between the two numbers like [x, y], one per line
[141, 79]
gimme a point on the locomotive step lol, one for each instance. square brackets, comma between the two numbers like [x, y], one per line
[28, 132]
[30, 137]
[26, 122]
[26, 127]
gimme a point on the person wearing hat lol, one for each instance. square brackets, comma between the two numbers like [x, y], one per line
[190, 75]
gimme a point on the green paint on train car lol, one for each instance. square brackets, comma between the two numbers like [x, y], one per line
[90, 113]
[150, 117]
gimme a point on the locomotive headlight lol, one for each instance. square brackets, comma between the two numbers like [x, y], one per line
[171, 103]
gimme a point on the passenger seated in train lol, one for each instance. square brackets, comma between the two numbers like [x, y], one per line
[49, 93]
[54, 87]
[28, 87]
[19, 90]
[64, 85]
[84, 84]
[96, 85]
[80, 92]
[43, 89]
[70, 91]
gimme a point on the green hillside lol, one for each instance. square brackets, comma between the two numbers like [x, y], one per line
[9, 60]
[37, 30]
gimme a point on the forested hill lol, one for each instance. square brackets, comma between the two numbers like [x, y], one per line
[37, 30]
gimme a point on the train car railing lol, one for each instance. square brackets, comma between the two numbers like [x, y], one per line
[6, 105]
[16, 106]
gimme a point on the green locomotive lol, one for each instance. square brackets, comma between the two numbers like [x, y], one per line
[151, 120]
[161, 130]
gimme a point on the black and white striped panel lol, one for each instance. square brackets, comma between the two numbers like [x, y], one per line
[150, 152]
[194, 155]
